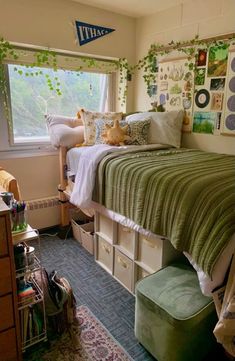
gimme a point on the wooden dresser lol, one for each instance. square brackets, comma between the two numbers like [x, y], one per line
[10, 342]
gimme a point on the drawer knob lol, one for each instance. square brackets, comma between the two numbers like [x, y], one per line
[106, 248]
[149, 243]
[123, 264]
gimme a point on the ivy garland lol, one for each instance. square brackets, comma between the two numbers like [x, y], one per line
[148, 64]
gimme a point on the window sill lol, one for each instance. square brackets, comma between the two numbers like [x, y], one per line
[28, 153]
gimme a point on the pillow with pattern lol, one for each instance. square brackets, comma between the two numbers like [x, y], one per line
[100, 129]
[165, 128]
[89, 119]
[139, 131]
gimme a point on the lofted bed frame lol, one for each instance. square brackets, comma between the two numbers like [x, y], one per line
[63, 195]
[130, 254]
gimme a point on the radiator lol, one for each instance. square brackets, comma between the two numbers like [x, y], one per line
[43, 212]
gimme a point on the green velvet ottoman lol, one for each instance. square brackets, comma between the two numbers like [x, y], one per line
[174, 321]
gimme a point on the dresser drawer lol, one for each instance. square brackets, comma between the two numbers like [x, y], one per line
[6, 314]
[3, 236]
[5, 276]
[150, 252]
[8, 345]
[126, 239]
[105, 254]
[123, 269]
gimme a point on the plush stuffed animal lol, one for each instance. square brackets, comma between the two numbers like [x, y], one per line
[115, 135]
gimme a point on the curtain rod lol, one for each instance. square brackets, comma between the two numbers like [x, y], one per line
[68, 53]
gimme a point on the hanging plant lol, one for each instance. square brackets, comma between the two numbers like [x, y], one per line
[6, 51]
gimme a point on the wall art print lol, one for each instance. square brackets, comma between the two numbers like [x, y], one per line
[217, 62]
[175, 88]
[228, 123]
[206, 122]
[201, 58]
[206, 93]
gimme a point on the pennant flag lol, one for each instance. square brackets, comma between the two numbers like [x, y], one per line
[87, 32]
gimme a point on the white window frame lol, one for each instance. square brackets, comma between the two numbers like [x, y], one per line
[11, 149]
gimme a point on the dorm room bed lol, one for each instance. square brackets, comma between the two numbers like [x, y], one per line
[186, 196]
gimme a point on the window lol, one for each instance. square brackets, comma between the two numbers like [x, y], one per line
[31, 98]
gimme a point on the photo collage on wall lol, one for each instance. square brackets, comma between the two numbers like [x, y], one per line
[175, 88]
[228, 124]
[209, 92]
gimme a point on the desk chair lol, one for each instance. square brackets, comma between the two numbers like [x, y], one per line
[8, 183]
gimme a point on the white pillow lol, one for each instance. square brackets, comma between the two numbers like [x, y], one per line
[165, 127]
[65, 131]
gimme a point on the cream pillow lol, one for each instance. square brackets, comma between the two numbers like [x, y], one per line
[165, 128]
[65, 131]
[89, 118]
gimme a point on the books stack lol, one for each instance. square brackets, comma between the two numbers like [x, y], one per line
[26, 295]
[31, 323]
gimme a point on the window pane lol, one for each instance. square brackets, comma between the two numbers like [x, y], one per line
[31, 99]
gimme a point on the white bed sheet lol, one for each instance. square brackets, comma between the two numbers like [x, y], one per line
[72, 160]
[83, 162]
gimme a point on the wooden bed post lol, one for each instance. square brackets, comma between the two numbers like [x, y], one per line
[64, 203]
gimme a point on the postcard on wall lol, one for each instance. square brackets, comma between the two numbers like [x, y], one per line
[217, 101]
[201, 57]
[217, 62]
[206, 122]
[217, 84]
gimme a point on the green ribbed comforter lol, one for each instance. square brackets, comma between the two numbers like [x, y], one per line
[185, 195]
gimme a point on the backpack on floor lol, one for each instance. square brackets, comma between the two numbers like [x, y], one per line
[60, 303]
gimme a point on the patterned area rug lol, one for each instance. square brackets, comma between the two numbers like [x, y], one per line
[90, 341]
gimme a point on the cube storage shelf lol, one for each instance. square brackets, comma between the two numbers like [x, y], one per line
[129, 255]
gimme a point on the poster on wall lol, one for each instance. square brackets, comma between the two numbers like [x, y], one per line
[217, 61]
[175, 88]
[209, 91]
[228, 123]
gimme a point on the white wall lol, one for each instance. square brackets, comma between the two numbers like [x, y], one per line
[49, 23]
[206, 18]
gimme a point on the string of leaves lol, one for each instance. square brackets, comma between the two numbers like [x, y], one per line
[147, 64]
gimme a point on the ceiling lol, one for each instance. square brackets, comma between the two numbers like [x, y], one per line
[133, 8]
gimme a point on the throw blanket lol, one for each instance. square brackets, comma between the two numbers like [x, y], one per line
[87, 165]
[187, 196]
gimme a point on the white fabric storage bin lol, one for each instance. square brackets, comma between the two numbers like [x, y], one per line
[105, 254]
[106, 227]
[141, 273]
[87, 236]
[150, 252]
[126, 240]
[123, 269]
